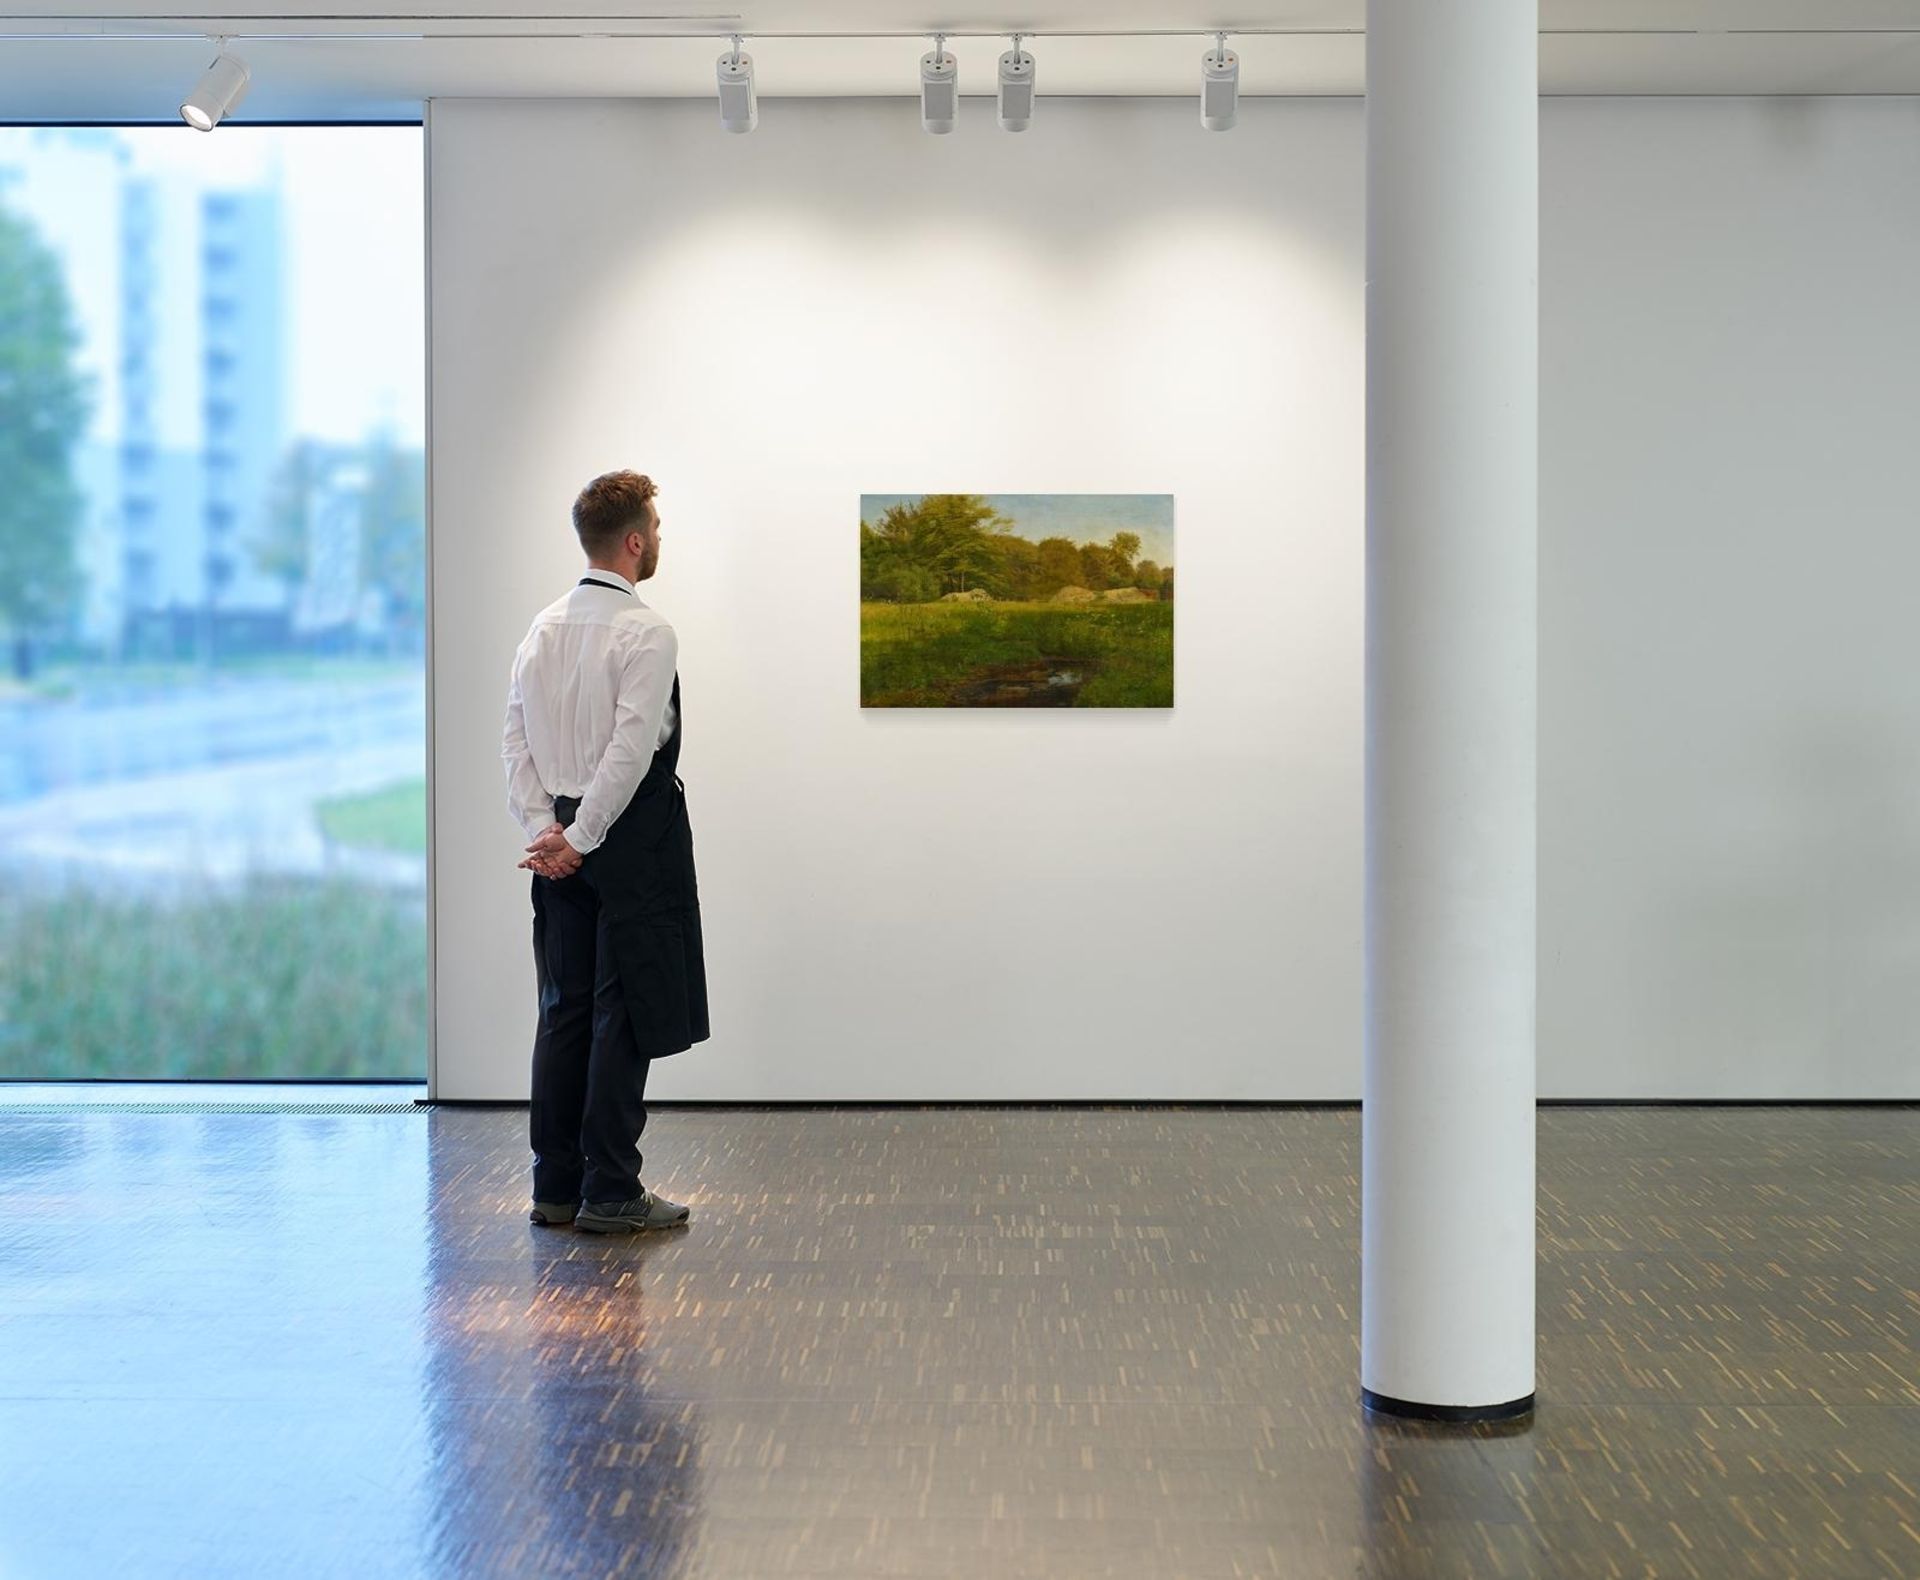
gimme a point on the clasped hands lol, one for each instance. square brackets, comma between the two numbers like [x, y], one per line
[551, 856]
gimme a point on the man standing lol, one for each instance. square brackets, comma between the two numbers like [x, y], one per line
[591, 745]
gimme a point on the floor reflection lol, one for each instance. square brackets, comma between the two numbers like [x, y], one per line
[210, 1344]
[555, 1447]
[1024, 1344]
[1431, 1493]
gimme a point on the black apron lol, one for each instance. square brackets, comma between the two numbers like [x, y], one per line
[643, 873]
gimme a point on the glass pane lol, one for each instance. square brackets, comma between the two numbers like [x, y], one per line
[212, 603]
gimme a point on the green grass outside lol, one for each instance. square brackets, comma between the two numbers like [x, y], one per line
[282, 979]
[390, 819]
[912, 655]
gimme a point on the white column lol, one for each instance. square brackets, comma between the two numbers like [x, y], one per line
[1447, 1298]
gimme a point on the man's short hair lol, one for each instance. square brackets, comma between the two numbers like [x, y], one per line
[611, 506]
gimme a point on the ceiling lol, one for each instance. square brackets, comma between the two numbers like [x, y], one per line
[366, 60]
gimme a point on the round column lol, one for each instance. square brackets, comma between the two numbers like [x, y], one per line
[1447, 1171]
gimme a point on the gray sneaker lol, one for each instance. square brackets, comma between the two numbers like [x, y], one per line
[645, 1211]
[554, 1214]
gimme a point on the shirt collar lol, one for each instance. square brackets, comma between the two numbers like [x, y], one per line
[605, 578]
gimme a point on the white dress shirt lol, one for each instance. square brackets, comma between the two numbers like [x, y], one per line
[590, 702]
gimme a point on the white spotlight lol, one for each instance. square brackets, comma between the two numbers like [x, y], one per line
[939, 87]
[1016, 88]
[1219, 86]
[220, 89]
[739, 105]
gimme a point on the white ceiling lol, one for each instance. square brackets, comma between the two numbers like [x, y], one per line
[62, 61]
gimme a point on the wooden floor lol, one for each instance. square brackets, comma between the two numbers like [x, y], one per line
[938, 1343]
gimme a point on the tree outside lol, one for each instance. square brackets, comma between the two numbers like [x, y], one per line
[44, 405]
[371, 498]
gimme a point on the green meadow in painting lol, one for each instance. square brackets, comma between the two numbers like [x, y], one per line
[1016, 600]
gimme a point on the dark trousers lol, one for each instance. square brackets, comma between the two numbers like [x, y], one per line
[589, 1077]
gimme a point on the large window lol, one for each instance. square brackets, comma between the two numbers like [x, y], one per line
[212, 601]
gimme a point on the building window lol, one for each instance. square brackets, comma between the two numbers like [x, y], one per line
[237, 494]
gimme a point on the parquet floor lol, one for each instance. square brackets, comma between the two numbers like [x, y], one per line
[934, 1343]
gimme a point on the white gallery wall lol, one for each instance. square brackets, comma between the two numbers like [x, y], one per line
[1147, 905]
[922, 904]
[1730, 598]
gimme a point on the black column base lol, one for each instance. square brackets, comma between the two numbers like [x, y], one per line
[1381, 1404]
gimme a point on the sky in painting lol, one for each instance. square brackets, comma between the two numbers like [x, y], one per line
[1084, 518]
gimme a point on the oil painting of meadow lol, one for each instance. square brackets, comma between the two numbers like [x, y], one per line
[1016, 600]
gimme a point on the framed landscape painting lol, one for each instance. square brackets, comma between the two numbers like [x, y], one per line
[1016, 600]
